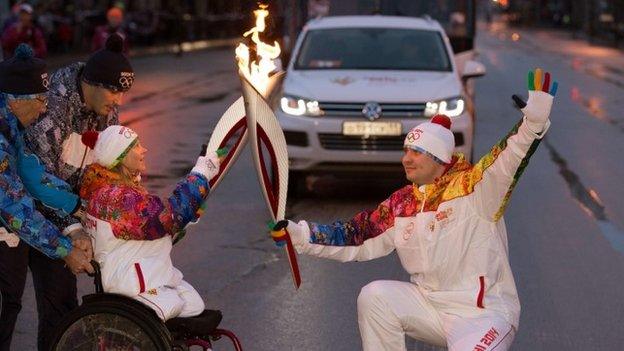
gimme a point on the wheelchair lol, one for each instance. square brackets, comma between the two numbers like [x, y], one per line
[113, 322]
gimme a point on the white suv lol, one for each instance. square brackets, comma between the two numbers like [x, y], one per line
[357, 84]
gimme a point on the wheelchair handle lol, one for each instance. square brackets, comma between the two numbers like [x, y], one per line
[97, 277]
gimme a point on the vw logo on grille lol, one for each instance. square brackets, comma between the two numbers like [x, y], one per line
[371, 110]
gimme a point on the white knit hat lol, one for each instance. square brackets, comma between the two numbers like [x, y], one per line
[111, 145]
[433, 138]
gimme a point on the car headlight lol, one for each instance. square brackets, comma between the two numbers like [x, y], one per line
[451, 107]
[297, 106]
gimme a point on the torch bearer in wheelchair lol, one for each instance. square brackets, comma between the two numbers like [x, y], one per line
[107, 321]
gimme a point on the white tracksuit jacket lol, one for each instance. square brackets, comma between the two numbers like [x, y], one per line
[130, 267]
[450, 235]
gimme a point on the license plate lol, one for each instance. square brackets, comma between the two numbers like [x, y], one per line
[371, 128]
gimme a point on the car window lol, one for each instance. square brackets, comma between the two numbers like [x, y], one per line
[373, 49]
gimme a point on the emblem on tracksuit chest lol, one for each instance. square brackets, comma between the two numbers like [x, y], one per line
[441, 219]
[408, 231]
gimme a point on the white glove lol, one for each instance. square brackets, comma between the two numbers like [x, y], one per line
[299, 232]
[539, 104]
[208, 165]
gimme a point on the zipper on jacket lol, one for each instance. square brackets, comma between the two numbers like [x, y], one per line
[422, 207]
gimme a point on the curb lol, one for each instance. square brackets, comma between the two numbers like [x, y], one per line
[56, 62]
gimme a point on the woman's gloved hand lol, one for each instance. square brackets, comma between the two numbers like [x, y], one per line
[208, 165]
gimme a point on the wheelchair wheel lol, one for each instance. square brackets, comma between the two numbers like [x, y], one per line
[107, 322]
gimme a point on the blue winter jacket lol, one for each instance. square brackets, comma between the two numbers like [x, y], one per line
[22, 180]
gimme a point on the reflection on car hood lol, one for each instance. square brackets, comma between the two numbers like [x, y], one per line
[380, 86]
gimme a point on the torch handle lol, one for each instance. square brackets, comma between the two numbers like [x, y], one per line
[220, 152]
[280, 225]
[518, 101]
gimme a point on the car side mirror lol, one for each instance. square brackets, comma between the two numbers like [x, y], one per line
[473, 69]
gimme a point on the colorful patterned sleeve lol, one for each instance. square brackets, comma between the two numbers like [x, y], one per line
[18, 215]
[46, 187]
[495, 176]
[185, 204]
[136, 215]
[366, 224]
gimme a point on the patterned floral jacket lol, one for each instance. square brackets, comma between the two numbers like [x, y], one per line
[21, 178]
[133, 213]
[56, 136]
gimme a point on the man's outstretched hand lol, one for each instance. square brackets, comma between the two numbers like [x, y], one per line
[299, 232]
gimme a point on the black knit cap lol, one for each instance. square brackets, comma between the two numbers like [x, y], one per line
[23, 74]
[109, 68]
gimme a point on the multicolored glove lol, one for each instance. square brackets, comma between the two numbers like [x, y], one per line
[541, 95]
[299, 232]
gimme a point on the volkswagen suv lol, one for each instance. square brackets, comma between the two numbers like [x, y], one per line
[357, 84]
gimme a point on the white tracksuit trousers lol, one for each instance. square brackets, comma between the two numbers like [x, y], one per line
[387, 310]
[173, 301]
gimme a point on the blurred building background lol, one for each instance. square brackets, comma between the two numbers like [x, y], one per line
[600, 21]
[69, 25]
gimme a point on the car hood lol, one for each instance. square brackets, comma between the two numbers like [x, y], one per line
[379, 86]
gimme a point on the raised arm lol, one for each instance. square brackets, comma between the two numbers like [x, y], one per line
[136, 215]
[495, 176]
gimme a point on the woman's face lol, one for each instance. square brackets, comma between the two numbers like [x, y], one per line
[135, 159]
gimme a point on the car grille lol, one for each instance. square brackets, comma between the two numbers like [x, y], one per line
[296, 138]
[339, 109]
[372, 143]
[346, 142]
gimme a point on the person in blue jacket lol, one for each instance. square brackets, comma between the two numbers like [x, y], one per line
[23, 180]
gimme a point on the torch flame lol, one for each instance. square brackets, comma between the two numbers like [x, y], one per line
[257, 72]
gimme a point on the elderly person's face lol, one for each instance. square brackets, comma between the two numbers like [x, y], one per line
[27, 110]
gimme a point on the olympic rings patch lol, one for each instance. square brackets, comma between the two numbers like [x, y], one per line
[44, 80]
[127, 133]
[414, 135]
[126, 80]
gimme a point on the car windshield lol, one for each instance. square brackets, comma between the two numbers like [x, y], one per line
[373, 49]
[457, 17]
